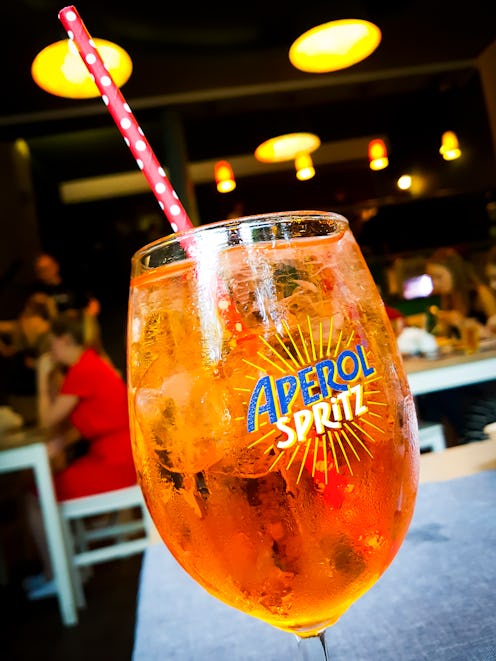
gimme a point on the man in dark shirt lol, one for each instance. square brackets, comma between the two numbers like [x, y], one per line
[63, 297]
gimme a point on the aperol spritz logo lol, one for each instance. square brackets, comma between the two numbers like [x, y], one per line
[316, 402]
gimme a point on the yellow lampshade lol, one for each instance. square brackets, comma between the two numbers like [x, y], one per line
[335, 45]
[286, 147]
[378, 156]
[450, 148]
[304, 167]
[59, 69]
[224, 177]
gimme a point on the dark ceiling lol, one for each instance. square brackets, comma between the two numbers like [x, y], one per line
[221, 72]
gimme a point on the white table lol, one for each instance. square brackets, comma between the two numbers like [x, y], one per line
[428, 375]
[25, 451]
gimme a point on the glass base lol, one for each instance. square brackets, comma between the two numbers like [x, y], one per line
[313, 648]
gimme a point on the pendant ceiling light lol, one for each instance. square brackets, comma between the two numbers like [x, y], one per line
[59, 69]
[286, 147]
[304, 167]
[404, 182]
[450, 147]
[224, 177]
[334, 45]
[378, 156]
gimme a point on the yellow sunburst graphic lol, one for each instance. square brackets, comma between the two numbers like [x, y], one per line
[319, 449]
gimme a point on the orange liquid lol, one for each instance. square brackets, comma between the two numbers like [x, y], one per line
[470, 336]
[289, 530]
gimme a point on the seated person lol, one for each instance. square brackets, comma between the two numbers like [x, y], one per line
[482, 410]
[490, 274]
[22, 341]
[92, 397]
[462, 293]
[64, 297]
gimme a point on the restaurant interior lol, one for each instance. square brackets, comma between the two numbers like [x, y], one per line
[211, 83]
[214, 84]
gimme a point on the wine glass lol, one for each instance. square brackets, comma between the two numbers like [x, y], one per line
[274, 432]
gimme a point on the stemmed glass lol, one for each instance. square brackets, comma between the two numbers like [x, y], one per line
[274, 432]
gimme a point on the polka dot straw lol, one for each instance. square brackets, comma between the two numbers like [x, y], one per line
[142, 152]
[125, 120]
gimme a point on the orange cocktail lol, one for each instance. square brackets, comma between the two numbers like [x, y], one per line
[280, 462]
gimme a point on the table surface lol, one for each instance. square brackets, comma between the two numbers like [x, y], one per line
[21, 437]
[458, 461]
[451, 370]
[436, 602]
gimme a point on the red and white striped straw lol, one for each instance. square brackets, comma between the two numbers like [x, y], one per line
[125, 120]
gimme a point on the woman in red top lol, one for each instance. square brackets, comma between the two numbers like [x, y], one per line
[92, 397]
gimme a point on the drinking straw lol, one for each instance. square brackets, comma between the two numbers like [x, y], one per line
[126, 122]
[145, 158]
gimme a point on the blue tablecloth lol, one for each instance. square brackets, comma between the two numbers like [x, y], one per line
[436, 602]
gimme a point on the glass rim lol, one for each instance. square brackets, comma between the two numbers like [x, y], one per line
[269, 217]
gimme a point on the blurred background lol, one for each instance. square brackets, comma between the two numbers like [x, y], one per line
[212, 82]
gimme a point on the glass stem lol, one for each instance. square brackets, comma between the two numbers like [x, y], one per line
[313, 648]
